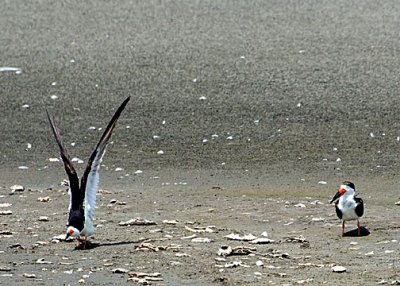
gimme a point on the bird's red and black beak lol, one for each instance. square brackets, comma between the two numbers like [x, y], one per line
[338, 195]
[69, 233]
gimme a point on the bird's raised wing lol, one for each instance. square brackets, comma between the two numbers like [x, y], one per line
[75, 193]
[90, 180]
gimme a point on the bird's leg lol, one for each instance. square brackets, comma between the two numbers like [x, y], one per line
[343, 229]
[358, 228]
[84, 242]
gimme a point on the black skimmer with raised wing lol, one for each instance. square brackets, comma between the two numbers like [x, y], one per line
[83, 196]
[348, 207]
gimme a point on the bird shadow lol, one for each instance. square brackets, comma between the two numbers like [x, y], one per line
[354, 232]
[93, 245]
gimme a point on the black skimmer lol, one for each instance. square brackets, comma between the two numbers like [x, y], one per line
[348, 207]
[83, 196]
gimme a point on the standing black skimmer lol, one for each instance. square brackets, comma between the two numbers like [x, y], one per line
[83, 197]
[348, 207]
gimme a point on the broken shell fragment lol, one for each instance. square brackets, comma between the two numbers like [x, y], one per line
[17, 188]
[247, 237]
[119, 270]
[44, 199]
[224, 250]
[42, 261]
[201, 240]
[262, 240]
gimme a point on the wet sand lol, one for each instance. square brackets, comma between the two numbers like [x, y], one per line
[260, 109]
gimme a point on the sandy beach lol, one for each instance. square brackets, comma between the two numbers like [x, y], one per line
[245, 117]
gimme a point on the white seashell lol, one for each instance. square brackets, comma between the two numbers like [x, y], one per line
[224, 250]
[23, 167]
[118, 169]
[78, 160]
[43, 218]
[9, 69]
[25, 106]
[259, 263]
[161, 152]
[17, 188]
[138, 172]
[322, 183]
[5, 205]
[338, 269]
[54, 97]
[54, 160]
[300, 205]
[261, 240]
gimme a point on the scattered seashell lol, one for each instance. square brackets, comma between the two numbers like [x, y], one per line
[234, 264]
[202, 98]
[146, 246]
[397, 203]
[138, 172]
[82, 281]
[23, 167]
[224, 250]
[78, 160]
[300, 205]
[338, 269]
[170, 221]
[29, 275]
[119, 270]
[262, 240]
[43, 218]
[322, 183]
[118, 169]
[54, 160]
[11, 69]
[42, 261]
[5, 205]
[161, 152]
[5, 232]
[44, 199]
[156, 137]
[25, 106]
[247, 237]
[54, 97]
[7, 212]
[17, 188]
[259, 263]
[69, 271]
[137, 221]
[5, 269]
[201, 240]
[199, 229]
[369, 253]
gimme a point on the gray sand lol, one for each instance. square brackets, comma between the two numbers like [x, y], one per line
[256, 104]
